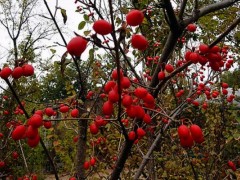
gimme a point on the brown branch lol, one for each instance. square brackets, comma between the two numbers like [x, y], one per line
[182, 8]
[167, 51]
[226, 32]
[173, 23]
[208, 9]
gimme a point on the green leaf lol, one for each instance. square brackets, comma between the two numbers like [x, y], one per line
[86, 33]
[81, 25]
[86, 17]
[64, 15]
[53, 51]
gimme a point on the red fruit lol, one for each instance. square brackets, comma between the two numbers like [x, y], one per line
[64, 109]
[183, 132]
[195, 103]
[115, 74]
[140, 92]
[33, 142]
[203, 48]
[18, 132]
[113, 96]
[125, 83]
[224, 85]
[93, 161]
[202, 60]
[135, 17]
[5, 97]
[93, 128]
[86, 165]
[102, 27]
[2, 164]
[34, 177]
[140, 113]
[15, 155]
[76, 46]
[74, 113]
[1, 135]
[147, 119]
[107, 108]
[102, 95]
[187, 142]
[194, 57]
[169, 68]
[47, 124]
[149, 99]
[49, 111]
[232, 165]
[109, 86]
[205, 105]
[131, 111]
[31, 132]
[72, 178]
[225, 91]
[99, 121]
[28, 70]
[5, 73]
[187, 54]
[36, 121]
[140, 132]
[215, 49]
[161, 75]
[191, 27]
[39, 112]
[131, 135]
[17, 72]
[139, 42]
[75, 139]
[196, 132]
[127, 101]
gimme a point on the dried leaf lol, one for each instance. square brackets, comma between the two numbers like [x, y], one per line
[64, 15]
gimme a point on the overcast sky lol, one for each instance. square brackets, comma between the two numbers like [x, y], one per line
[72, 24]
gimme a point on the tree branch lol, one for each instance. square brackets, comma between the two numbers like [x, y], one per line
[226, 32]
[173, 23]
[208, 9]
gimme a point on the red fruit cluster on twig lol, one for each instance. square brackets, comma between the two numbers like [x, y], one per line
[214, 56]
[232, 165]
[189, 135]
[19, 71]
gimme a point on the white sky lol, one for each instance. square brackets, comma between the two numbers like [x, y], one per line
[72, 24]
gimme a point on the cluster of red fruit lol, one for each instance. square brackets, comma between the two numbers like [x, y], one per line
[133, 100]
[215, 57]
[232, 165]
[30, 130]
[17, 72]
[203, 89]
[91, 162]
[98, 122]
[189, 135]
[135, 18]
[77, 45]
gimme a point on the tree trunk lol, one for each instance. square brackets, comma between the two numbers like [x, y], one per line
[125, 151]
[81, 149]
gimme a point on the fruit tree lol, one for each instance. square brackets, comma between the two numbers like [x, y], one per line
[139, 92]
